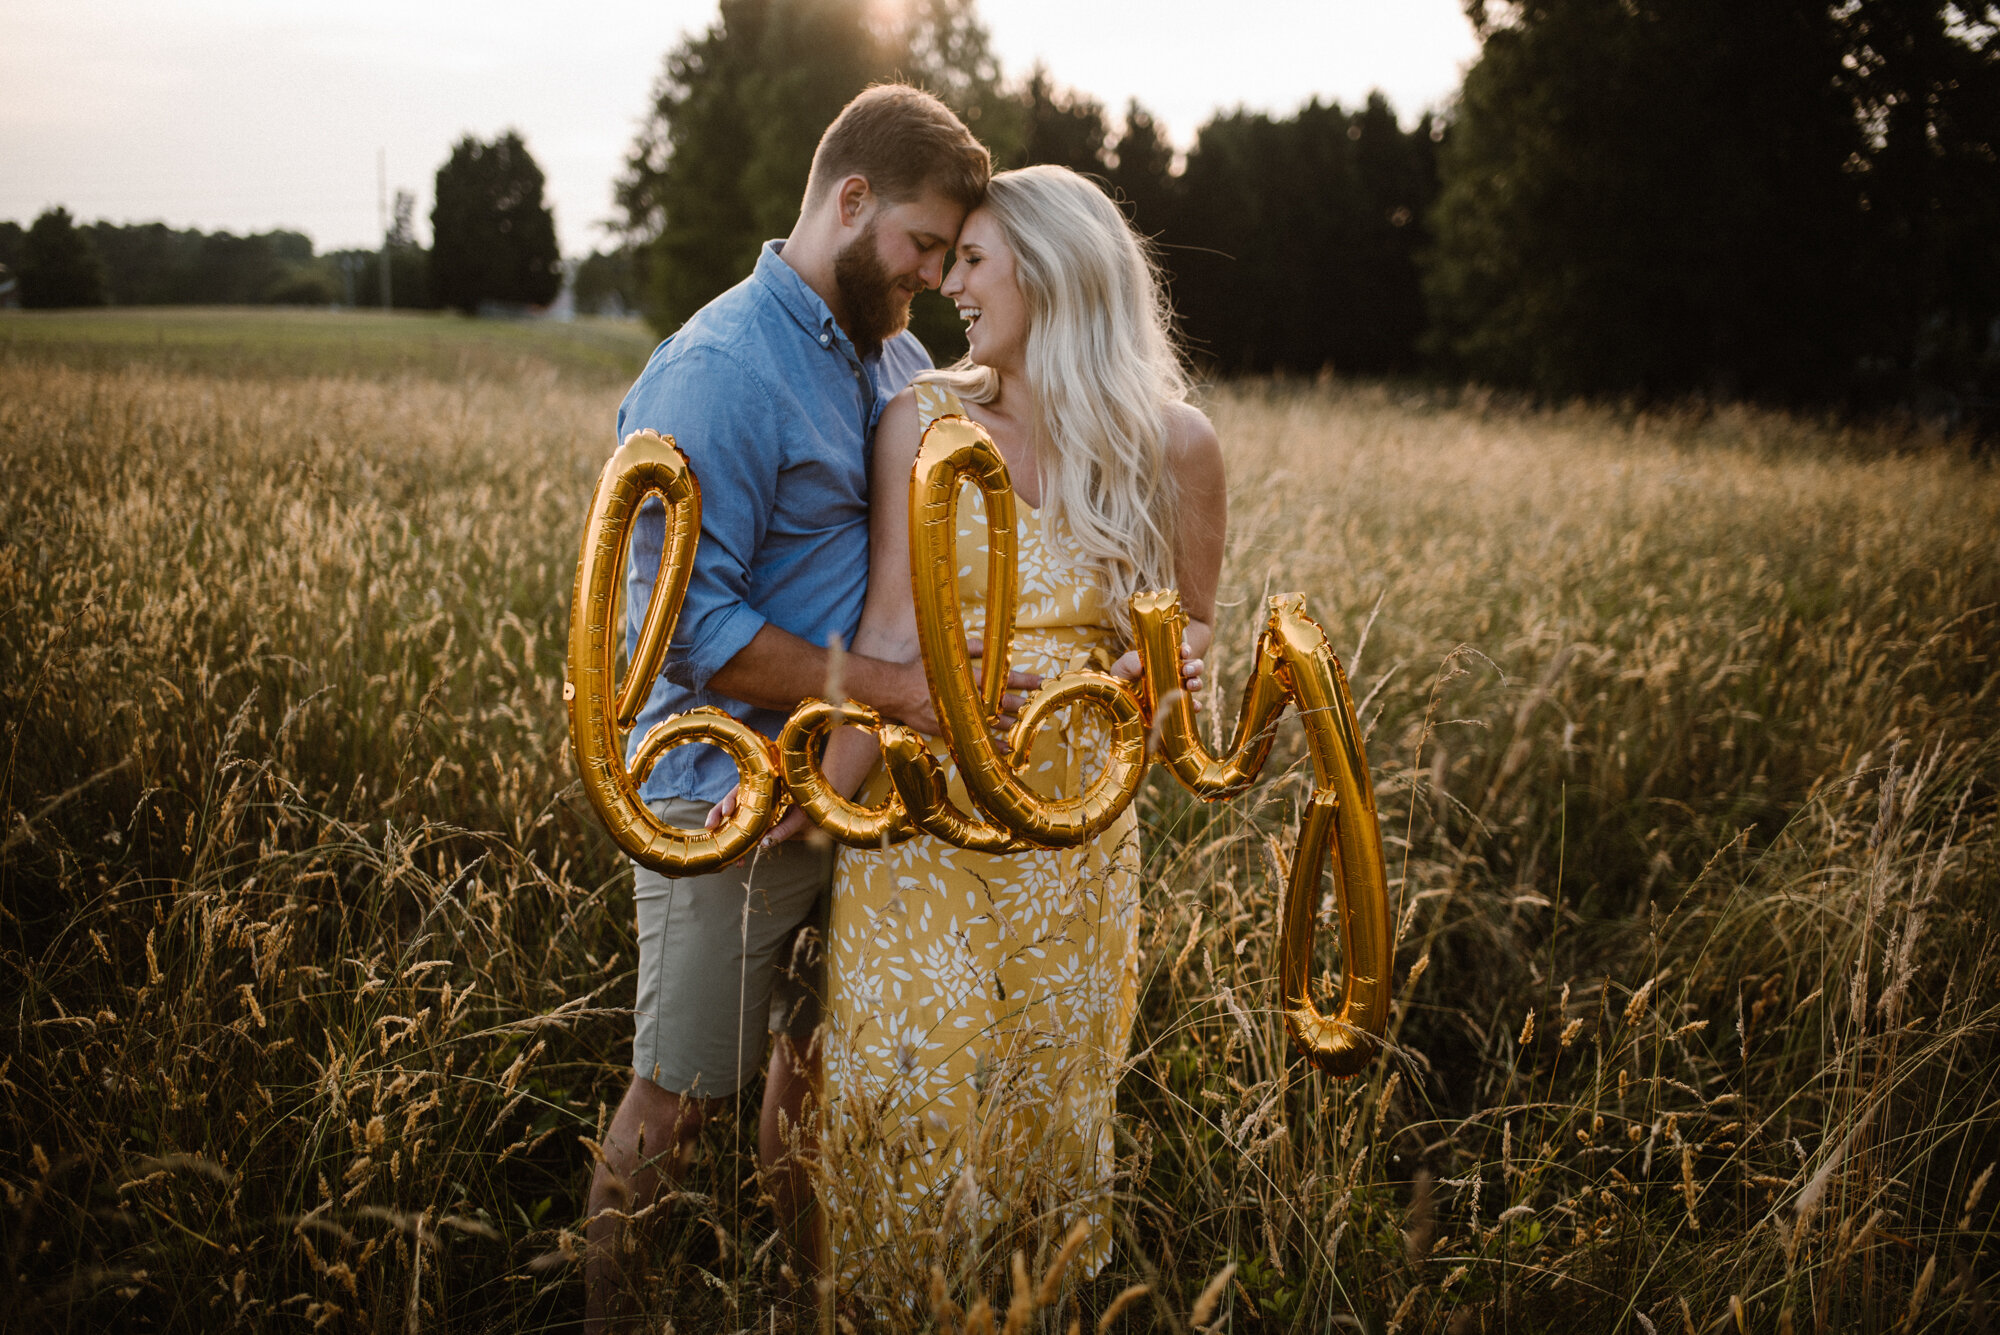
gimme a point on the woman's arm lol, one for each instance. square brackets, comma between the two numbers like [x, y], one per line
[888, 628]
[1194, 456]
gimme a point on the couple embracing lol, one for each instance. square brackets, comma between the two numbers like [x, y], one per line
[946, 1027]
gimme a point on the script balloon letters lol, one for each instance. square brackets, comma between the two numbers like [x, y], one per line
[1292, 664]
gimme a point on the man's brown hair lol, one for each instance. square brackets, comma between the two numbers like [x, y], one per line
[904, 141]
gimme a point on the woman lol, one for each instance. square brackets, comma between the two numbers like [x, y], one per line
[980, 1006]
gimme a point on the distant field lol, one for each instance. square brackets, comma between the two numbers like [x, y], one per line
[277, 341]
[1685, 729]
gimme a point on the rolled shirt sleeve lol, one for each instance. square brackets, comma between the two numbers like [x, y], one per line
[772, 405]
[719, 413]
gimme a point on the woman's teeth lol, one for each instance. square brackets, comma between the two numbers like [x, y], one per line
[969, 314]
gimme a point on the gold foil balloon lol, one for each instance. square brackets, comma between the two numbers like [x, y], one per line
[1293, 663]
[920, 780]
[1158, 624]
[648, 464]
[955, 450]
[845, 822]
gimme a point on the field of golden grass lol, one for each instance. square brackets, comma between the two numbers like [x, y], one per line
[1685, 731]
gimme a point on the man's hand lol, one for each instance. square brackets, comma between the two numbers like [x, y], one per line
[777, 669]
[913, 698]
[1020, 685]
[790, 826]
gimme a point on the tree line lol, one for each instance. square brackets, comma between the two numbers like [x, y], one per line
[60, 262]
[494, 242]
[1790, 200]
[1292, 242]
[1787, 199]
[1794, 200]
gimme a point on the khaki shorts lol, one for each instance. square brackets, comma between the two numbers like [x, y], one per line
[725, 958]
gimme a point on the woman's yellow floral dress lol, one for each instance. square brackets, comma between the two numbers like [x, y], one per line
[980, 1005]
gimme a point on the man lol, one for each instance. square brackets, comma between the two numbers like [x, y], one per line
[772, 389]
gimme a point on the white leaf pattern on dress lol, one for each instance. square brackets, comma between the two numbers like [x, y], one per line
[1030, 993]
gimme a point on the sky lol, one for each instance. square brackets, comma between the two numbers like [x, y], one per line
[247, 115]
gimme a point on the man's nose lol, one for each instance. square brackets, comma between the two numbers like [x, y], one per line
[932, 272]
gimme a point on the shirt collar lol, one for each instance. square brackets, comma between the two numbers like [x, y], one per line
[799, 300]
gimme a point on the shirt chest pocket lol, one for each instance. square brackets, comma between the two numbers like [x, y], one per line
[822, 486]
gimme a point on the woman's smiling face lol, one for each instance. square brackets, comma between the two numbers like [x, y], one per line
[982, 285]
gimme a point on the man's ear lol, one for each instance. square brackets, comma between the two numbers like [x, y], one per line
[854, 198]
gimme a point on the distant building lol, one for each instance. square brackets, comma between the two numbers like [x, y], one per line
[563, 308]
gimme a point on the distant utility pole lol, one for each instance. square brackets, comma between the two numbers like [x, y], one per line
[382, 211]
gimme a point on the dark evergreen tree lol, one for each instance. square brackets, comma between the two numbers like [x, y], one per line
[493, 239]
[1059, 126]
[1655, 195]
[13, 237]
[1396, 173]
[59, 265]
[1293, 241]
[1924, 80]
[1141, 171]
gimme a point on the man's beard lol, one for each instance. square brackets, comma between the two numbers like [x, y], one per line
[876, 307]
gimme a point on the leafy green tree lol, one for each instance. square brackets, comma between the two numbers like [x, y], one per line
[1656, 195]
[720, 163]
[246, 270]
[59, 265]
[607, 283]
[409, 262]
[355, 277]
[357, 274]
[149, 264]
[493, 237]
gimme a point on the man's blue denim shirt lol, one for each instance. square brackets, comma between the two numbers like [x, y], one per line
[774, 409]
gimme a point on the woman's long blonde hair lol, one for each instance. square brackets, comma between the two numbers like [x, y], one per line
[1103, 366]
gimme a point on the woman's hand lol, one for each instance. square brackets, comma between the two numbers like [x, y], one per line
[1020, 685]
[790, 826]
[1128, 668]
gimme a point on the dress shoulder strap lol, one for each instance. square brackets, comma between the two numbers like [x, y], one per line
[934, 401]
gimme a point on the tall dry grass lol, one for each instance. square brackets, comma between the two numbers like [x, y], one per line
[1683, 733]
